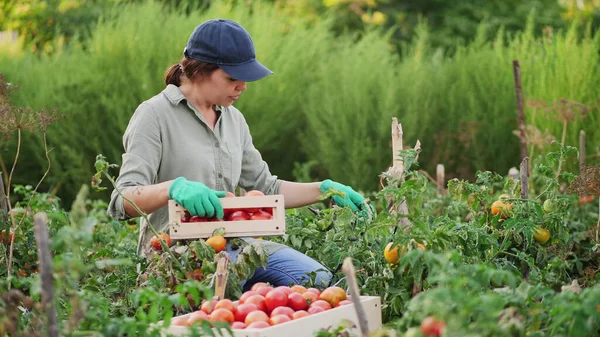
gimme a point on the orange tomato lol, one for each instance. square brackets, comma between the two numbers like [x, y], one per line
[504, 208]
[218, 242]
[256, 316]
[258, 325]
[333, 296]
[221, 315]
[299, 314]
[225, 304]
[298, 288]
[278, 319]
[196, 316]
[155, 243]
[391, 254]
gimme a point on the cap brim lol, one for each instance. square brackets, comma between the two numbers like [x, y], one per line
[247, 72]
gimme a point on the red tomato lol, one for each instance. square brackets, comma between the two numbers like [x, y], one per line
[267, 210]
[296, 301]
[196, 218]
[300, 314]
[264, 290]
[258, 300]
[254, 193]
[238, 216]
[197, 316]
[285, 289]
[186, 216]
[179, 321]
[282, 311]
[257, 285]
[243, 310]
[221, 315]
[246, 295]
[238, 325]
[278, 319]
[261, 215]
[275, 298]
[431, 327]
[256, 316]
[257, 325]
[320, 303]
[315, 310]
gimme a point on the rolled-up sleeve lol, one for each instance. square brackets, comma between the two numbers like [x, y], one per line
[141, 160]
[255, 171]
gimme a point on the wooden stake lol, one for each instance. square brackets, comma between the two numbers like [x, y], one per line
[3, 201]
[221, 275]
[397, 134]
[524, 179]
[47, 282]
[348, 270]
[520, 112]
[440, 179]
[581, 152]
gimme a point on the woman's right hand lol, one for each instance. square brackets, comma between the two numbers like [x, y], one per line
[197, 198]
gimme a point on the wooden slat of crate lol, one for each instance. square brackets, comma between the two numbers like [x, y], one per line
[244, 228]
[306, 326]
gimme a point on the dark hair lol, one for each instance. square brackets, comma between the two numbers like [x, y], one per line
[191, 67]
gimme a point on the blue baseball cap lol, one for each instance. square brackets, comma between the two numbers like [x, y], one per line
[228, 45]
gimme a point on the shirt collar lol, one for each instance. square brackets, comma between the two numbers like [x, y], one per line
[175, 96]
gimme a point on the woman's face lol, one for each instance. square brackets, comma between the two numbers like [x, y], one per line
[220, 88]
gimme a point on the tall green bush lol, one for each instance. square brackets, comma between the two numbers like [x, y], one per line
[461, 106]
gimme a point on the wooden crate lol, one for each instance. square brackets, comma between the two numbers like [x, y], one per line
[242, 228]
[306, 326]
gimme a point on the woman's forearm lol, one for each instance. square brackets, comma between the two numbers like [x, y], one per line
[299, 194]
[146, 198]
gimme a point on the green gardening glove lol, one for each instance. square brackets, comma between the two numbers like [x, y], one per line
[352, 198]
[197, 198]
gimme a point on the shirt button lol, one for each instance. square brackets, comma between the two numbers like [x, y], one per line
[220, 175]
[217, 145]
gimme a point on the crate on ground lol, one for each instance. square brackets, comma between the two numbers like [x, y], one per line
[305, 326]
[256, 216]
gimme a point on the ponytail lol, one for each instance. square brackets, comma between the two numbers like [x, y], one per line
[173, 74]
[190, 68]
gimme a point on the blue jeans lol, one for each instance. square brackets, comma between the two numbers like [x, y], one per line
[286, 266]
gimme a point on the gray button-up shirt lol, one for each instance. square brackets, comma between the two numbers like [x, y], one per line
[167, 138]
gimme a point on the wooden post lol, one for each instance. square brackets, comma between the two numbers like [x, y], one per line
[520, 112]
[396, 172]
[348, 270]
[221, 275]
[581, 152]
[524, 179]
[441, 179]
[3, 201]
[47, 281]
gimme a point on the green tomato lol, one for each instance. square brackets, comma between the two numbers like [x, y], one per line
[549, 206]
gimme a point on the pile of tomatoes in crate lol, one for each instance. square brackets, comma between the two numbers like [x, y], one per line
[263, 306]
[235, 214]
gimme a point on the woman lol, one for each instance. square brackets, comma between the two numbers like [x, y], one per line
[189, 144]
